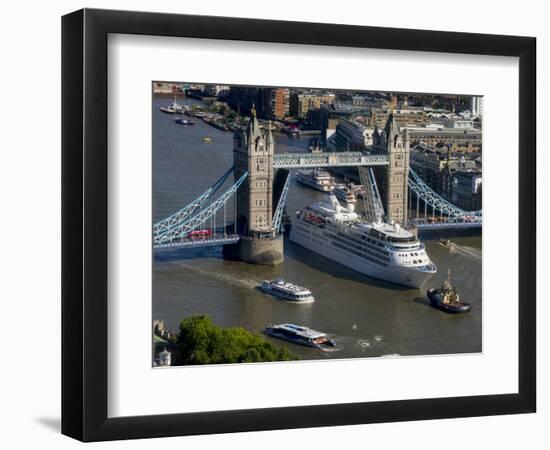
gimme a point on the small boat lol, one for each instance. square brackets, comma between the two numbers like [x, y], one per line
[207, 139]
[168, 110]
[301, 335]
[287, 291]
[173, 108]
[183, 121]
[318, 179]
[447, 299]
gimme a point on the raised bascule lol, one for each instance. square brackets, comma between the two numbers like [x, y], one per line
[246, 216]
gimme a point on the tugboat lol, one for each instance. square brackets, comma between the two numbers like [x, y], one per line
[447, 299]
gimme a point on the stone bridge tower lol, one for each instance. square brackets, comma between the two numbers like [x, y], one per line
[253, 150]
[398, 172]
[395, 179]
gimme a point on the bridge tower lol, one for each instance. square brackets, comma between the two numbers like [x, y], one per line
[398, 172]
[253, 150]
[395, 179]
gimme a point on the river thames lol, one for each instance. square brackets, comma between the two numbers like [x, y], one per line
[367, 317]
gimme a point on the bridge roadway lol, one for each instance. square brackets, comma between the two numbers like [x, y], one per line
[215, 239]
[448, 225]
[327, 159]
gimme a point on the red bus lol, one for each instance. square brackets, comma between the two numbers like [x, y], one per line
[200, 234]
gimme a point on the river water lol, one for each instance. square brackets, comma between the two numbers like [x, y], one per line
[367, 317]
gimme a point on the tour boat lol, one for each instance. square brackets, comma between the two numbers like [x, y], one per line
[287, 291]
[345, 194]
[318, 179]
[301, 335]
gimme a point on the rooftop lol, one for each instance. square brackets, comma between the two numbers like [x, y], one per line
[443, 130]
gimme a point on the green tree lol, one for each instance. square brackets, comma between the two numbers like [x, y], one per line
[201, 342]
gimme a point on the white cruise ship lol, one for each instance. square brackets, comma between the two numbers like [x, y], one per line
[316, 178]
[379, 250]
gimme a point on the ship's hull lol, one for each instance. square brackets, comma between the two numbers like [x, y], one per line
[405, 276]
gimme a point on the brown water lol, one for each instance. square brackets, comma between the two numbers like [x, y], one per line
[367, 317]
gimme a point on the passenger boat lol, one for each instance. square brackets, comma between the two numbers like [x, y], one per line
[447, 299]
[318, 179]
[200, 234]
[172, 109]
[168, 110]
[301, 335]
[287, 291]
[345, 193]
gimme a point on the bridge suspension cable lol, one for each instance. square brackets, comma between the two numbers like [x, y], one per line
[182, 229]
[173, 220]
[379, 208]
[430, 197]
[372, 202]
[278, 215]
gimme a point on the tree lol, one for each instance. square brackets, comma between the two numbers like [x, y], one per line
[201, 342]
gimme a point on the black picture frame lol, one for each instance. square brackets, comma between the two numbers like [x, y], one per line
[84, 224]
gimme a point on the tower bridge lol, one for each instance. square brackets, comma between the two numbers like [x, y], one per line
[247, 217]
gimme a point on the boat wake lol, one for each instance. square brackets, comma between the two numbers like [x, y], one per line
[468, 252]
[336, 348]
[364, 344]
[230, 279]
